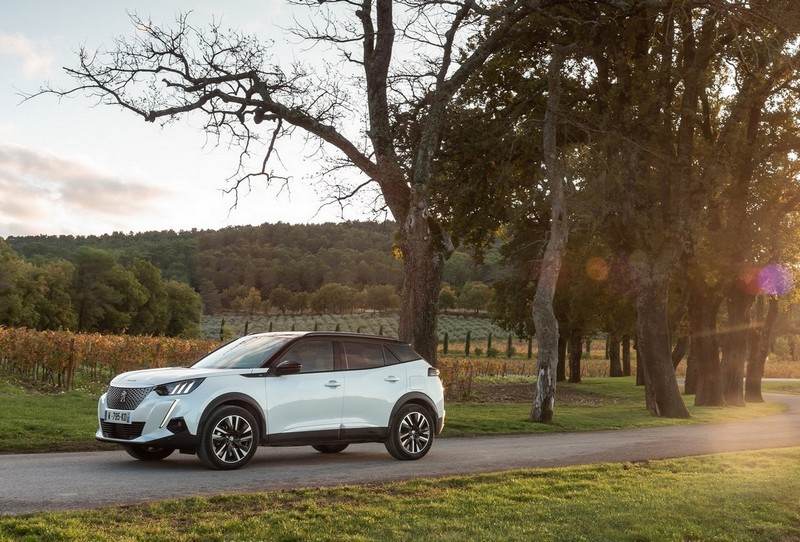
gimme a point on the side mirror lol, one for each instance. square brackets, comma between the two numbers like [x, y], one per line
[287, 367]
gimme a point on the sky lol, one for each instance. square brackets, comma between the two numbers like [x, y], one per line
[70, 167]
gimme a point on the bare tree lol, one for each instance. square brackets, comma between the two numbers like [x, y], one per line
[163, 73]
[544, 317]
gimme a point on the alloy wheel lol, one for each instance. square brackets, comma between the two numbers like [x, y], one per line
[232, 439]
[415, 432]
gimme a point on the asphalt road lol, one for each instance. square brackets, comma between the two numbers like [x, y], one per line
[36, 482]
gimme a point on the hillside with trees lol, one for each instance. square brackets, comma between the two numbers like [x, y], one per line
[95, 291]
[324, 268]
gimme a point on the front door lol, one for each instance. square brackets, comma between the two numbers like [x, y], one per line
[307, 405]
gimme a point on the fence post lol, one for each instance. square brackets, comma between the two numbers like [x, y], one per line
[466, 343]
[338, 328]
[358, 329]
[489, 344]
[292, 326]
[530, 347]
[446, 343]
[270, 326]
[246, 326]
[380, 330]
[71, 364]
[508, 346]
[222, 330]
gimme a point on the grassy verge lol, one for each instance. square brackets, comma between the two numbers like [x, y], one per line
[777, 386]
[35, 421]
[614, 403]
[732, 497]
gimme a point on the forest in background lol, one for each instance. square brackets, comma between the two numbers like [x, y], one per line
[279, 267]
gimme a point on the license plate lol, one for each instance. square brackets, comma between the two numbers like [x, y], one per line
[118, 416]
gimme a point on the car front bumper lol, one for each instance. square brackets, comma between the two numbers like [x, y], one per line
[157, 420]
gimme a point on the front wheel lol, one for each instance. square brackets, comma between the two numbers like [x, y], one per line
[143, 452]
[329, 448]
[228, 439]
[411, 433]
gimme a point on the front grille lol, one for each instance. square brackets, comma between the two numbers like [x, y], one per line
[125, 398]
[121, 430]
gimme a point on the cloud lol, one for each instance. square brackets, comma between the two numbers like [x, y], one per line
[35, 186]
[35, 59]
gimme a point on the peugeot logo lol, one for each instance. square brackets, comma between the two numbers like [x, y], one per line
[123, 396]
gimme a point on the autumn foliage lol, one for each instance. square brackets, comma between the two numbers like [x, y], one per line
[53, 357]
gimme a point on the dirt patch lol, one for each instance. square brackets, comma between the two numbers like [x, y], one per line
[522, 392]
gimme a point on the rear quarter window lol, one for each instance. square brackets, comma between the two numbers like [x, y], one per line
[400, 353]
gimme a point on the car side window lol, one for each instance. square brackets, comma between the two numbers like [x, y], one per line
[363, 355]
[401, 352]
[314, 356]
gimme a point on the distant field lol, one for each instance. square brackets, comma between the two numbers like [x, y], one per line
[455, 325]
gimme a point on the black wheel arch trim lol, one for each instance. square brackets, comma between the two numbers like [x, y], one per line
[233, 397]
[413, 397]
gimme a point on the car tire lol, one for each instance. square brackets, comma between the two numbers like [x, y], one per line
[411, 433]
[229, 438]
[143, 452]
[329, 448]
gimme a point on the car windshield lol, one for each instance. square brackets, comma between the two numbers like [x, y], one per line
[246, 353]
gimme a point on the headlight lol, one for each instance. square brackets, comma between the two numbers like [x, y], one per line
[182, 387]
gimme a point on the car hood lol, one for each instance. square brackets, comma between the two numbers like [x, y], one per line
[153, 377]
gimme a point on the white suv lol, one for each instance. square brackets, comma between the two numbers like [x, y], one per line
[326, 390]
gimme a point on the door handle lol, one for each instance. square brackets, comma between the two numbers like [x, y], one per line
[392, 379]
[332, 384]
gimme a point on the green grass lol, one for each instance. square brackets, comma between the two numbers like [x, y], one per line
[728, 497]
[35, 421]
[622, 406]
[777, 386]
[32, 421]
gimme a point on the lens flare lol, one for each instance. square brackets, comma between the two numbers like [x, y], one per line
[597, 269]
[775, 279]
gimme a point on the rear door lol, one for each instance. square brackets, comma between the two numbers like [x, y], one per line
[374, 381]
[307, 404]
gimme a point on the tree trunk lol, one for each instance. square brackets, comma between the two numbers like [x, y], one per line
[575, 351]
[792, 340]
[626, 355]
[544, 319]
[639, 364]
[704, 371]
[561, 370]
[652, 330]
[759, 349]
[588, 347]
[679, 350]
[424, 249]
[734, 346]
[615, 363]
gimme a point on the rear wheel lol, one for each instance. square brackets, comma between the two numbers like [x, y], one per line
[229, 438]
[411, 433]
[143, 452]
[329, 448]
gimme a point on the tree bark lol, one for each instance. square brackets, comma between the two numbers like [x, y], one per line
[626, 355]
[759, 350]
[544, 318]
[561, 370]
[704, 371]
[425, 248]
[652, 327]
[614, 361]
[575, 341]
[734, 346]
[679, 350]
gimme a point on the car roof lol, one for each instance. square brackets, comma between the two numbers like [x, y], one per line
[339, 334]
